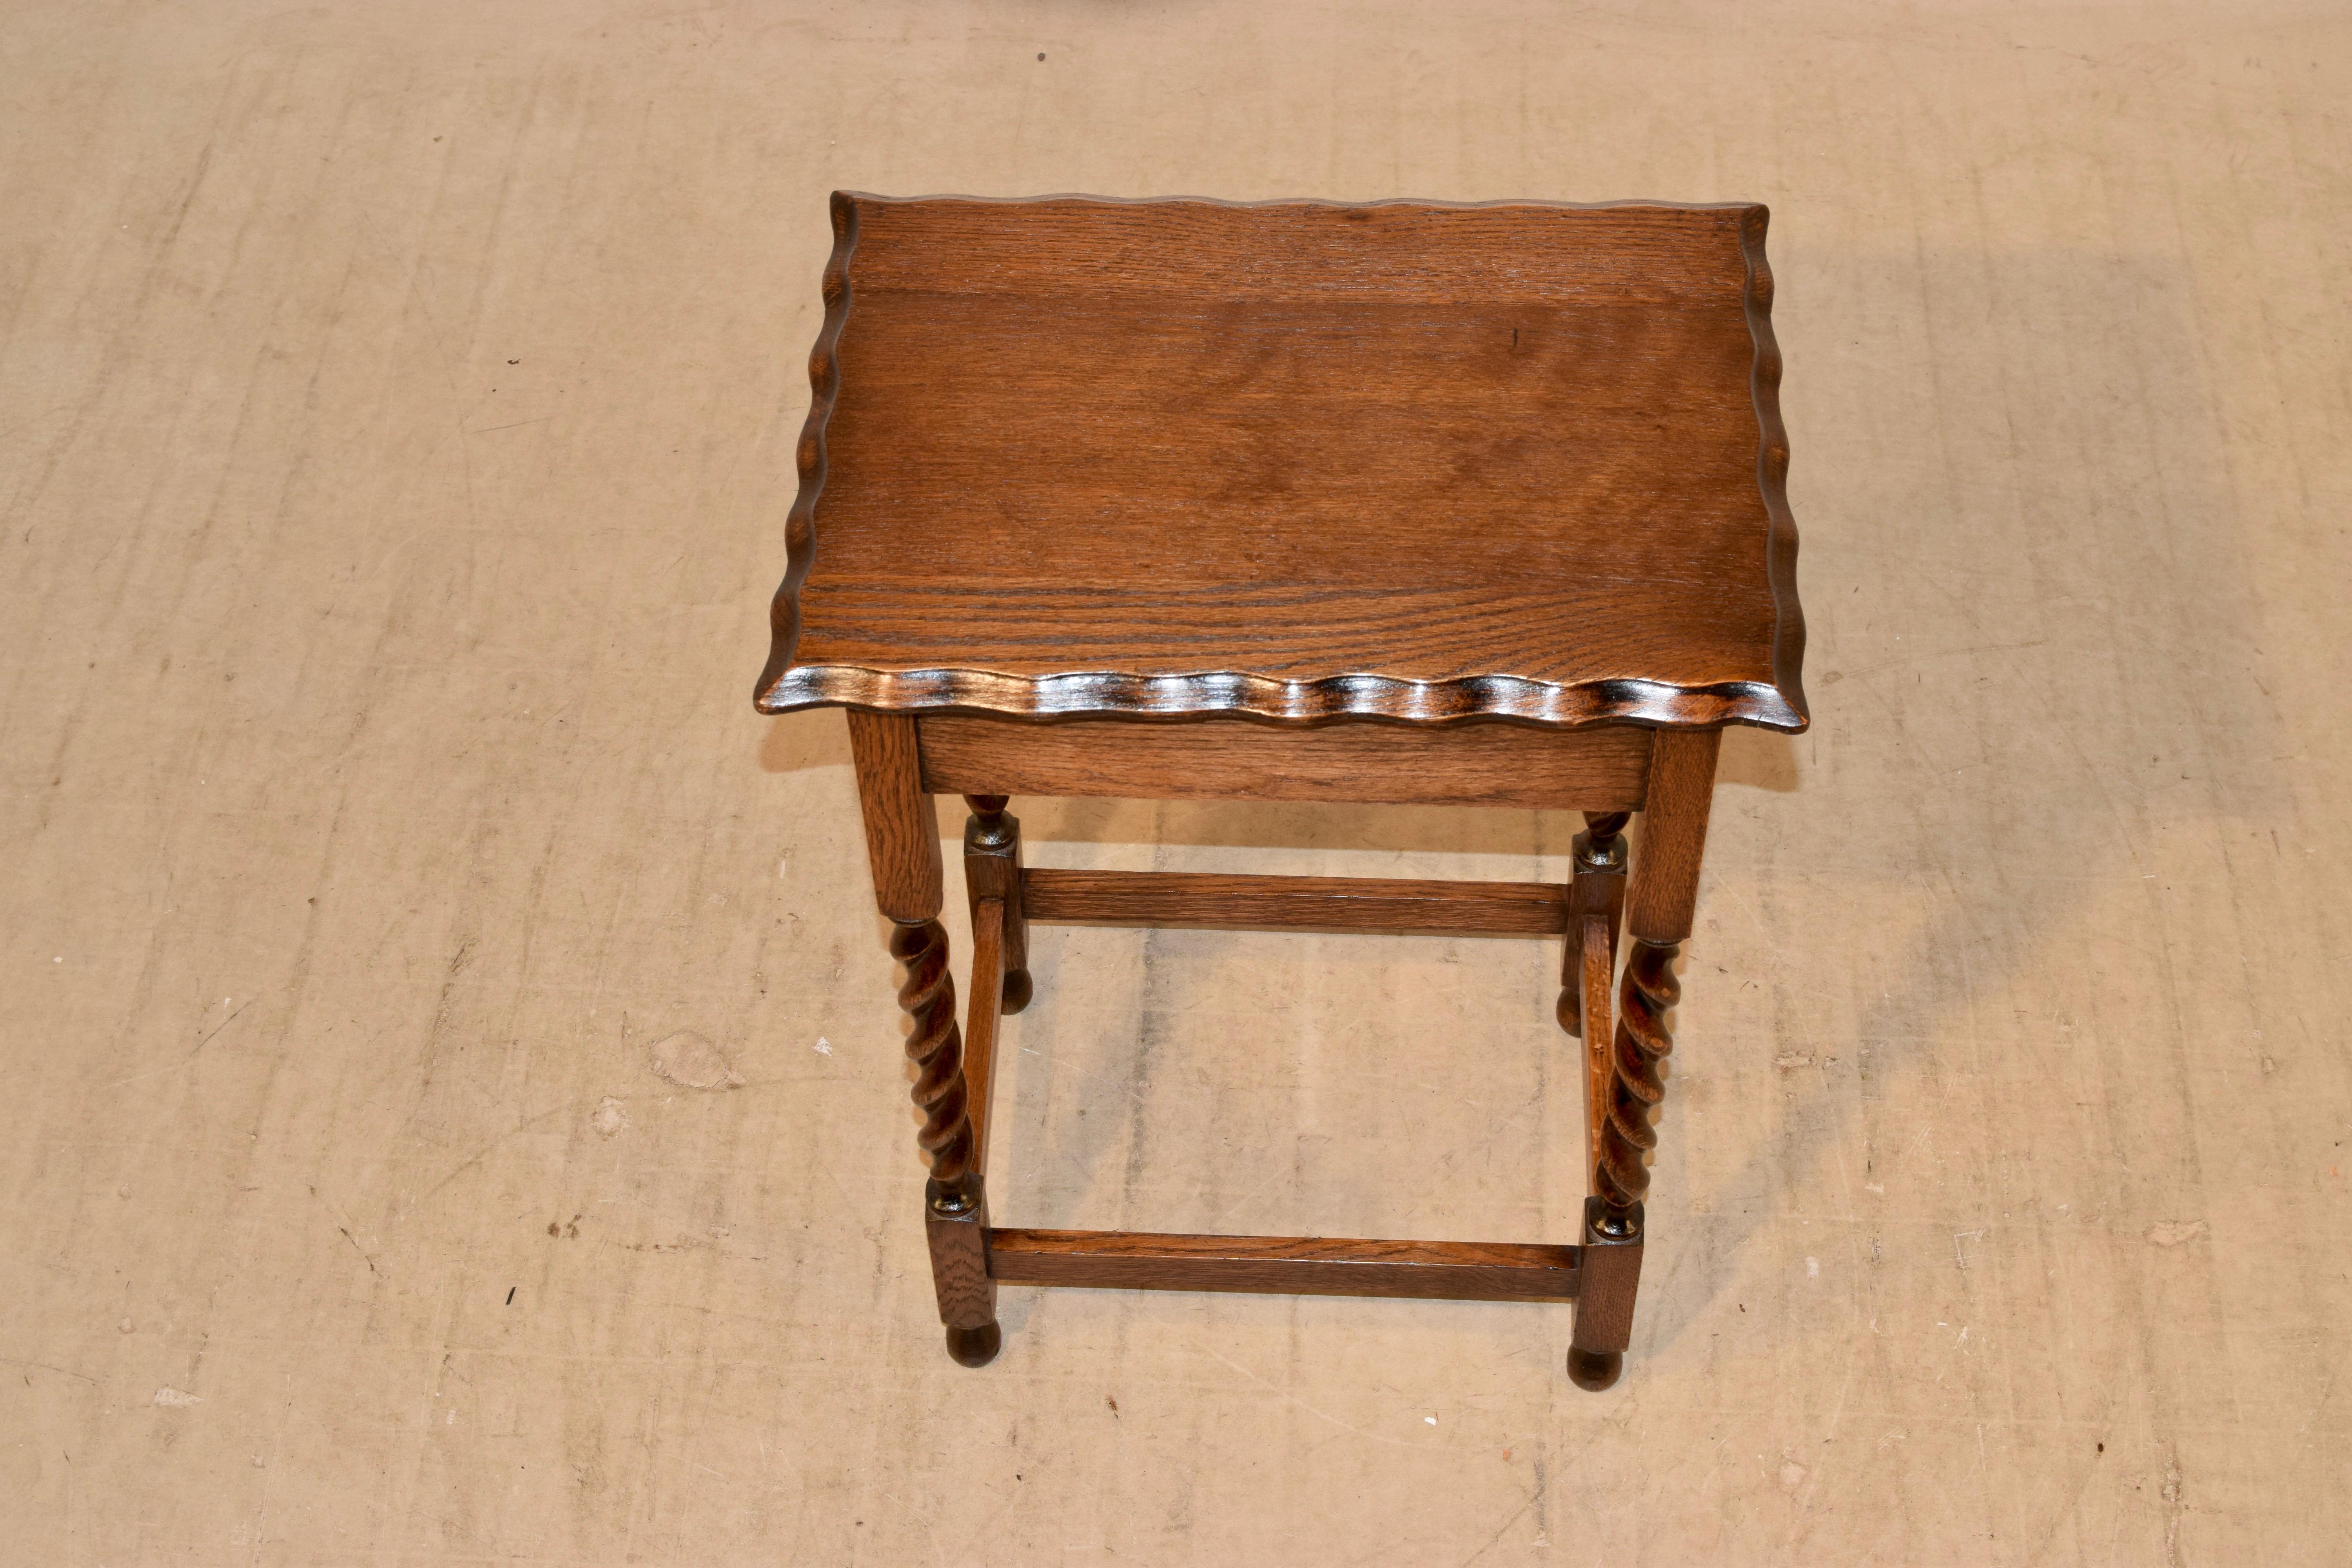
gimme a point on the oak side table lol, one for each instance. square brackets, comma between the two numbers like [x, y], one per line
[1405, 503]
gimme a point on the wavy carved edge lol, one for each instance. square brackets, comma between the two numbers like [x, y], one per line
[784, 688]
[1236, 694]
[824, 386]
[1228, 202]
[1772, 476]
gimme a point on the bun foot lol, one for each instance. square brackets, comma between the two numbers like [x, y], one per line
[975, 1347]
[1017, 990]
[1593, 1370]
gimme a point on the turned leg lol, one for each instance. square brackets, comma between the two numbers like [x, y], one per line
[1660, 907]
[955, 1203]
[992, 869]
[903, 846]
[1638, 1083]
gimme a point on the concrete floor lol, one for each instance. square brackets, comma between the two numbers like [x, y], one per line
[397, 411]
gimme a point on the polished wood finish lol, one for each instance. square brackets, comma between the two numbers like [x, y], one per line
[982, 1017]
[1638, 1079]
[936, 1048]
[1403, 503]
[1285, 1265]
[1625, 1092]
[1596, 903]
[1343, 904]
[1612, 1257]
[955, 1223]
[992, 869]
[1665, 893]
[902, 837]
[903, 850]
[1660, 906]
[1295, 460]
[1594, 973]
[1489, 764]
[955, 1199]
[1596, 892]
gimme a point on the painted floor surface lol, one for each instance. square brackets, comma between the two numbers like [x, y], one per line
[455, 1110]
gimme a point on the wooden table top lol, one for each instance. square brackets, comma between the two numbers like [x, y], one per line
[1294, 461]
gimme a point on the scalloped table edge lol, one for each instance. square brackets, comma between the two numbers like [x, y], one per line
[1214, 694]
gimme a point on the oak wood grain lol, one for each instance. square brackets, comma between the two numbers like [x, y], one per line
[1504, 483]
[992, 869]
[1294, 460]
[1612, 1259]
[1664, 892]
[1343, 904]
[1489, 764]
[1596, 891]
[1637, 1083]
[1595, 975]
[955, 1225]
[902, 840]
[1277, 1265]
[936, 1048]
[982, 1019]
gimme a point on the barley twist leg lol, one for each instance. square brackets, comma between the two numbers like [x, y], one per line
[936, 1048]
[955, 1205]
[1642, 1047]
